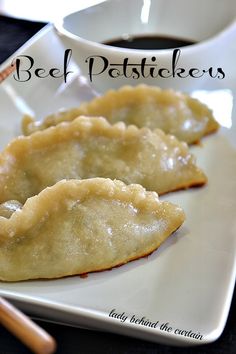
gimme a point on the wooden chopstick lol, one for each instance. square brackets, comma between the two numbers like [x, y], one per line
[33, 336]
[7, 72]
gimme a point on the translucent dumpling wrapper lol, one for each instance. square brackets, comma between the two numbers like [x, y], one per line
[144, 106]
[76, 227]
[92, 147]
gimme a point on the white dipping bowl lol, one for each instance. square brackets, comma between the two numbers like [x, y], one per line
[211, 24]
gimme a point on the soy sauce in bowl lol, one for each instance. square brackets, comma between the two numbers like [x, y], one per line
[149, 42]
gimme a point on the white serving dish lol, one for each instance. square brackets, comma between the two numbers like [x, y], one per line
[211, 24]
[189, 281]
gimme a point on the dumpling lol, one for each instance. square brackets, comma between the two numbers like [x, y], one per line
[91, 147]
[76, 227]
[145, 106]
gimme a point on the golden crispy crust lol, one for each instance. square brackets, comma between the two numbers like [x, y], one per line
[51, 197]
[171, 111]
[92, 147]
[56, 233]
[84, 127]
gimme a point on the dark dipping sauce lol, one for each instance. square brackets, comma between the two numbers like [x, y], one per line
[149, 42]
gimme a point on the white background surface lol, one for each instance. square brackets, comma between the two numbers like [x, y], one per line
[43, 10]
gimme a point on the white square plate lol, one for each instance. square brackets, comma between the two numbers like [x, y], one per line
[187, 283]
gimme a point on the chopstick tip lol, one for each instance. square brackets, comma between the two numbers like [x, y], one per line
[49, 346]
